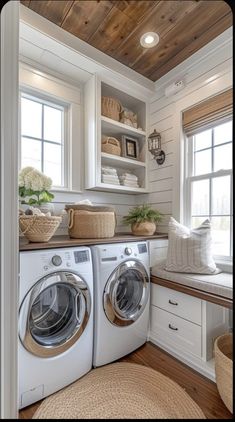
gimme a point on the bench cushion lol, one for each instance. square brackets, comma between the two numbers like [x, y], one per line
[219, 284]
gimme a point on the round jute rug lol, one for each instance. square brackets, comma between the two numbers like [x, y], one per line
[120, 391]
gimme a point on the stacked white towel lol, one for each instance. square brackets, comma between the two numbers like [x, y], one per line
[129, 179]
[109, 175]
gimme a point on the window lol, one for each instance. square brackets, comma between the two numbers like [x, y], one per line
[209, 184]
[42, 137]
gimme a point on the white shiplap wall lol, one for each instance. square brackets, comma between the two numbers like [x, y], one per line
[206, 73]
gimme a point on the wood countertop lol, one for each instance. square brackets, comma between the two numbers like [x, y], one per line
[66, 241]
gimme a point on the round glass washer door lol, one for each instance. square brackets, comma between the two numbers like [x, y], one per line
[54, 314]
[126, 293]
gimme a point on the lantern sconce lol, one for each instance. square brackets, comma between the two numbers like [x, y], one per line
[154, 146]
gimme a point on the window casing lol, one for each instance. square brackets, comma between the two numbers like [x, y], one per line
[43, 136]
[208, 184]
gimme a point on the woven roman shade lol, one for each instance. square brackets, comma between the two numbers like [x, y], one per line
[208, 112]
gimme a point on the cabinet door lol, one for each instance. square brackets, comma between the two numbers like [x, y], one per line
[180, 304]
[176, 332]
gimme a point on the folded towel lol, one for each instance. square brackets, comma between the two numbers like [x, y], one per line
[126, 179]
[104, 176]
[131, 185]
[108, 170]
[130, 176]
[114, 182]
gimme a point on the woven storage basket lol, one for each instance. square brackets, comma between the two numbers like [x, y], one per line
[110, 107]
[90, 222]
[128, 117]
[38, 228]
[224, 369]
[110, 145]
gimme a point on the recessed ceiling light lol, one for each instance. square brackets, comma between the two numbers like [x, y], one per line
[149, 40]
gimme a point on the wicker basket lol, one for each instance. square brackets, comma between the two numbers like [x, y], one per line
[224, 369]
[38, 228]
[90, 222]
[110, 145]
[110, 107]
[128, 118]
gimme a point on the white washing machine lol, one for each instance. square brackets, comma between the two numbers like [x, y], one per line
[121, 299]
[55, 320]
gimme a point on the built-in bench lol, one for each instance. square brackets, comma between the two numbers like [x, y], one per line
[216, 288]
[188, 312]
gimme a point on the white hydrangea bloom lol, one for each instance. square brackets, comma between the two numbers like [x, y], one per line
[47, 182]
[33, 179]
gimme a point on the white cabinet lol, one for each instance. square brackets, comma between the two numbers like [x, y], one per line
[186, 327]
[97, 126]
[180, 304]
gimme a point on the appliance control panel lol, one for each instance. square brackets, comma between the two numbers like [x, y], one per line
[64, 259]
[117, 252]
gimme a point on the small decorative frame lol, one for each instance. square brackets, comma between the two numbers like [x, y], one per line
[130, 147]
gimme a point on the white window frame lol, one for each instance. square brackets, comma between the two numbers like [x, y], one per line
[43, 85]
[189, 179]
[46, 100]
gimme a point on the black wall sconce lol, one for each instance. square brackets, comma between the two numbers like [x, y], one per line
[154, 146]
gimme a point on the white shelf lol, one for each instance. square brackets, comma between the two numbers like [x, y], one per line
[113, 127]
[97, 125]
[123, 162]
[120, 188]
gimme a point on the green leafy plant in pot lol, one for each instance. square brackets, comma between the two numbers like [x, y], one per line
[143, 220]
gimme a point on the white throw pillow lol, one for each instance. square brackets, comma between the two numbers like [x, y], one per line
[190, 251]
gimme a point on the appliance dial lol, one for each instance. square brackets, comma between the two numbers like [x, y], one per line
[56, 260]
[128, 251]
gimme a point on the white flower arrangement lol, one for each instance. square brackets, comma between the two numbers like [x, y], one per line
[35, 185]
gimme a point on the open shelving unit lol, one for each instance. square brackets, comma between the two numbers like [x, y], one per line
[97, 125]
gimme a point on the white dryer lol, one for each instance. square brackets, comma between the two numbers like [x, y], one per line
[55, 320]
[122, 290]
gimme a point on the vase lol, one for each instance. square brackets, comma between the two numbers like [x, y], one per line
[145, 228]
[46, 207]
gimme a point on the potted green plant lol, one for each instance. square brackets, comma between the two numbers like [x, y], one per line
[143, 220]
[34, 189]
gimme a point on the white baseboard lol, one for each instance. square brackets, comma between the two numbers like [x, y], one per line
[205, 368]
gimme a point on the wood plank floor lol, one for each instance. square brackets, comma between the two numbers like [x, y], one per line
[202, 390]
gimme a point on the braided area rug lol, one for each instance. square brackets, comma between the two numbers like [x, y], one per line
[120, 391]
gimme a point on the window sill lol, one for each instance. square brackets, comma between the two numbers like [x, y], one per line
[226, 266]
[65, 190]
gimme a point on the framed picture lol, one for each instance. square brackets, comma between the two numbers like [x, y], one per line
[130, 147]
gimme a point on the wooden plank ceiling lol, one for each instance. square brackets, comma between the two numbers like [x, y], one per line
[115, 27]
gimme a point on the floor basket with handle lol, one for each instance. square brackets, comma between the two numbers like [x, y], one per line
[224, 368]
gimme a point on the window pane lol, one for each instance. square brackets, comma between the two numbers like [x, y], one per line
[31, 153]
[203, 140]
[221, 195]
[202, 162]
[200, 197]
[52, 163]
[223, 133]
[197, 221]
[52, 124]
[31, 118]
[221, 235]
[223, 157]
